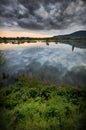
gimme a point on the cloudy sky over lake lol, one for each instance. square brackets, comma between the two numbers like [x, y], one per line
[41, 17]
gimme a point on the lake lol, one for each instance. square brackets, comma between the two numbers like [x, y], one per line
[58, 63]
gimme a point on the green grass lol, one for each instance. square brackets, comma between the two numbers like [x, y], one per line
[32, 105]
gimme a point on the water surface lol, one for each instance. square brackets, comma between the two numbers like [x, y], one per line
[57, 63]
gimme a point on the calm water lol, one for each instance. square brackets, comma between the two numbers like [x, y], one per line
[57, 63]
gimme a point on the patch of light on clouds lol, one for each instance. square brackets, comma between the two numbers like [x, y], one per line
[42, 12]
[21, 9]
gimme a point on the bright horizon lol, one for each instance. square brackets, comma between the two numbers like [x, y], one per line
[6, 33]
[35, 34]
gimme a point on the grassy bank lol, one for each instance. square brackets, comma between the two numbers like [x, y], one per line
[32, 105]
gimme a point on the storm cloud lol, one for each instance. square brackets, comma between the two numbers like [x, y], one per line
[42, 14]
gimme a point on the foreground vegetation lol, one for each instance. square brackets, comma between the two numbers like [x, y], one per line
[32, 105]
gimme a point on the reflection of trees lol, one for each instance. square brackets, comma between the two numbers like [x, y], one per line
[76, 44]
[56, 42]
[47, 43]
[72, 47]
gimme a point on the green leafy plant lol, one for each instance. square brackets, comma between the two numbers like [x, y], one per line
[30, 104]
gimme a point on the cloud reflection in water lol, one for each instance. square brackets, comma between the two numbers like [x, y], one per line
[56, 63]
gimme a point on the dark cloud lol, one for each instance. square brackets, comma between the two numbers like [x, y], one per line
[42, 14]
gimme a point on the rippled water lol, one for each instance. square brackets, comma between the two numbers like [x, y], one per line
[58, 63]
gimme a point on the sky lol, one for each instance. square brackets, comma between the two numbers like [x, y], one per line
[41, 18]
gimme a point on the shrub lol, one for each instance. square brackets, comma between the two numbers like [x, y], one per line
[31, 105]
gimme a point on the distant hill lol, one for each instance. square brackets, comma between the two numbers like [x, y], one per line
[78, 34]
